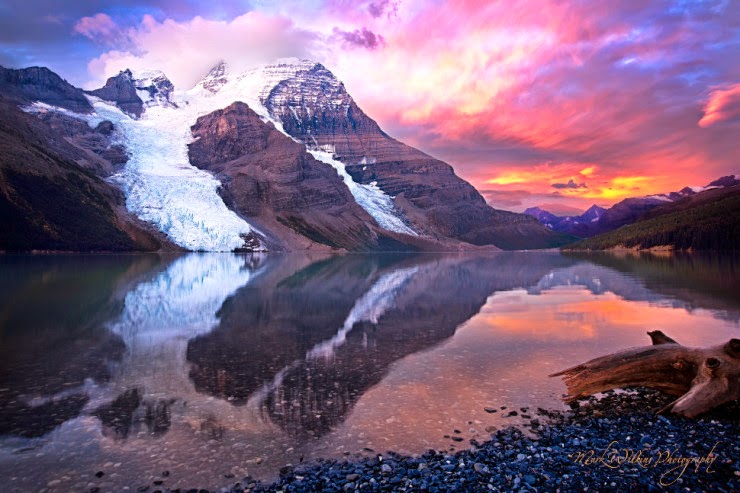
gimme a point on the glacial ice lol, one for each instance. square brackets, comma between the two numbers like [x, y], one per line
[162, 187]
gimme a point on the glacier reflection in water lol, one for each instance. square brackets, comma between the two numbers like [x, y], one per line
[207, 365]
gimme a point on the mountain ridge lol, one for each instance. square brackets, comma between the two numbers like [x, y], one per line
[625, 212]
[150, 139]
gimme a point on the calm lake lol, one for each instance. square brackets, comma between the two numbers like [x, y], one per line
[213, 365]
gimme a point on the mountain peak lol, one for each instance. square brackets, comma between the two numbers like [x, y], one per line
[298, 63]
[126, 74]
[132, 92]
[41, 84]
[542, 215]
[153, 88]
[215, 78]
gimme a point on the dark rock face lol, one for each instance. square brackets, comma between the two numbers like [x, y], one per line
[120, 89]
[125, 90]
[51, 197]
[41, 84]
[97, 140]
[272, 180]
[314, 107]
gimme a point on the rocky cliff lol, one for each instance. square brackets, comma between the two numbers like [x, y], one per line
[133, 94]
[41, 84]
[277, 185]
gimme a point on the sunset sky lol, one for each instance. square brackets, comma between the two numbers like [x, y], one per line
[535, 102]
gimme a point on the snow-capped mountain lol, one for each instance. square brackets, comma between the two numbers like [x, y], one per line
[279, 157]
[597, 220]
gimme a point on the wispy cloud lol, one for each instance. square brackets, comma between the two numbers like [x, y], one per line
[244, 41]
[723, 105]
[570, 184]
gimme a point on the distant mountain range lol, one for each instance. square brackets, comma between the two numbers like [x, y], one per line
[705, 220]
[277, 158]
[598, 220]
[566, 224]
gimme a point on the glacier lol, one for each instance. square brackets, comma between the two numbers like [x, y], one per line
[162, 187]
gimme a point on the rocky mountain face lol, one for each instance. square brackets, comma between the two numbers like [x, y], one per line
[52, 192]
[41, 84]
[133, 94]
[597, 220]
[314, 107]
[271, 180]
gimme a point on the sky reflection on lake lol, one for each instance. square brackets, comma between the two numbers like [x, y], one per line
[212, 364]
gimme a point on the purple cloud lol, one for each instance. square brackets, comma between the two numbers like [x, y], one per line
[363, 38]
[570, 184]
[378, 8]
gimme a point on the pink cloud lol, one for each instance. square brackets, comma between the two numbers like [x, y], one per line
[100, 28]
[185, 51]
[722, 105]
[361, 38]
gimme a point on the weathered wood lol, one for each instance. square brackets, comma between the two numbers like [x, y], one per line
[702, 378]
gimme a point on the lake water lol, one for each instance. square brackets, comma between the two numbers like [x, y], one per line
[212, 365]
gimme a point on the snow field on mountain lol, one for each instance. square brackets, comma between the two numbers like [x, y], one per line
[371, 198]
[182, 201]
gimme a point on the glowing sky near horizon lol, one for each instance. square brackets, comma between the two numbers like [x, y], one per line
[535, 102]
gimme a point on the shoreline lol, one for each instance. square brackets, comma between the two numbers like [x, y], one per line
[602, 444]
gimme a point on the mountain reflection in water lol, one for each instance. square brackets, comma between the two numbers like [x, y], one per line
[244, 363]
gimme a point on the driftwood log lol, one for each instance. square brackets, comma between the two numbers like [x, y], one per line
[702, 378]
